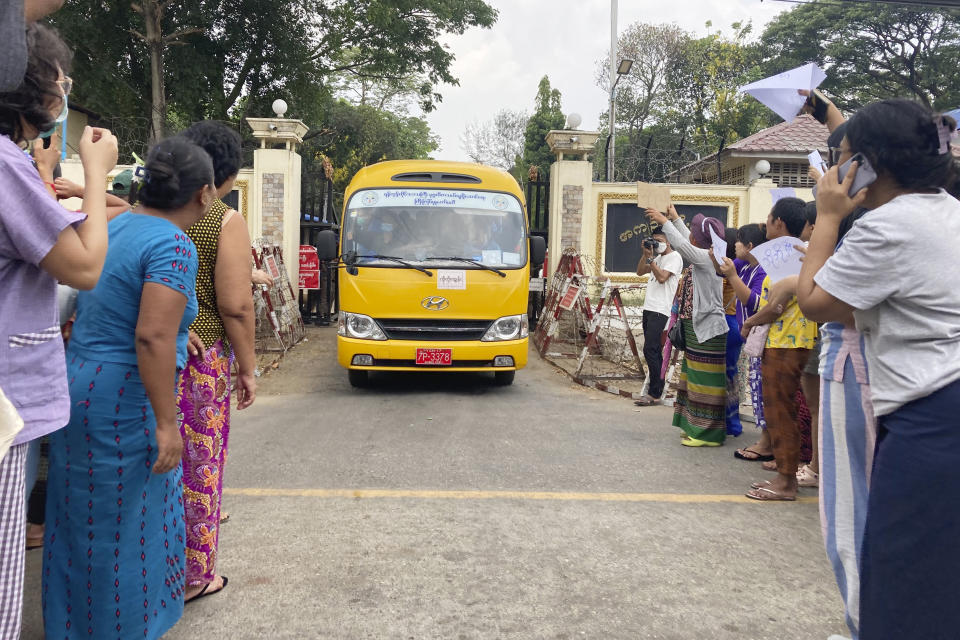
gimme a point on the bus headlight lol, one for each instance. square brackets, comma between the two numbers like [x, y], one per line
[357, 325]
[508, 328]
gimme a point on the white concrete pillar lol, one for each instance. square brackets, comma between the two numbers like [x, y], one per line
[276, 187]
[571, 183]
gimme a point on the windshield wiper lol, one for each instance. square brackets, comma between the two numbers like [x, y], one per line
[377, 256]
[471, 261]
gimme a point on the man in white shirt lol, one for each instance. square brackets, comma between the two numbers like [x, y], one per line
[664, 266]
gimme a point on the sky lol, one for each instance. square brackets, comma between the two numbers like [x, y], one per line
[499, 68]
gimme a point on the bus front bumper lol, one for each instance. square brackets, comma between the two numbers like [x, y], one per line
[401, 355]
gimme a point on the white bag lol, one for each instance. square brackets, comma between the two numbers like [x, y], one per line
[10, 424]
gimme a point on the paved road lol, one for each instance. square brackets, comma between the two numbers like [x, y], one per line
[443, 507]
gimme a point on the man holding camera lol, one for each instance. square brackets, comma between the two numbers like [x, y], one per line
[664, 266]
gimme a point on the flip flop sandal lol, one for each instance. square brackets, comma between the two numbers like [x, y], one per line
[224, 517]
[761, 484]
[763, 494]
[759, 457]
[647, 403]
[204, 593]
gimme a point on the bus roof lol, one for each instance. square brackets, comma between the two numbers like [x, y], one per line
[434, 173]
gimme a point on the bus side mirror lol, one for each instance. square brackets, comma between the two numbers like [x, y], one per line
[538, 250]
[327, 245]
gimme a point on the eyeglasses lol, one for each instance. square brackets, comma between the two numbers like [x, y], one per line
[66, 85]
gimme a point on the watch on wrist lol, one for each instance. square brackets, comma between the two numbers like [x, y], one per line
[649, 260]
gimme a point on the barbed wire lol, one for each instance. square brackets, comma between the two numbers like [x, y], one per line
[660, 165]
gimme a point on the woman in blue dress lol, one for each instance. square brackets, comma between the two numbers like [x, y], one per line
[113, 562]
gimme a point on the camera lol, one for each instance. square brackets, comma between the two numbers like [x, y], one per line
[650, 243]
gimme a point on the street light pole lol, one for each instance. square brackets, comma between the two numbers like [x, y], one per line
[611, 144]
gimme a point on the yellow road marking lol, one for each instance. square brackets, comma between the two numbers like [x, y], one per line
[423, 494]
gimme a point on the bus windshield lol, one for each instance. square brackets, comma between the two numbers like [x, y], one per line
[432, 226]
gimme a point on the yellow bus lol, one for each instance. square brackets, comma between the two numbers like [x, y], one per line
[435, 270]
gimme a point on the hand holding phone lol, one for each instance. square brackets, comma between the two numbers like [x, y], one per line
[837, 196]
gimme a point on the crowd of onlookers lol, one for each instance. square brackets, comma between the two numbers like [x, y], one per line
[859, 353]
[126, 327]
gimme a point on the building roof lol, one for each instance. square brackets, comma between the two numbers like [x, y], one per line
[803, 135]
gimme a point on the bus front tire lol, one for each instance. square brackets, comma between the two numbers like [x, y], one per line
[358, 378]
[504, 378]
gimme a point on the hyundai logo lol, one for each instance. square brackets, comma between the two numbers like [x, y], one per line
[435, 303]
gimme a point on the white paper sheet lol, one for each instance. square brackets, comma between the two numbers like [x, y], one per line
[719, 246]
[784, 192]
[491, 256]
[779, 258]
[779, 92]
[816, 161]
[455, 279]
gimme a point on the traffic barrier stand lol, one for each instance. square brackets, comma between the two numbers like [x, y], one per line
[279, 324]
[567, 302]
[610, 359]
[597, 347]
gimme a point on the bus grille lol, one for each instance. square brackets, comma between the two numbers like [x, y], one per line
[434, 330]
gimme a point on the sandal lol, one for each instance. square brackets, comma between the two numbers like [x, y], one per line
[750, 455]
[693, 442]
[647, 401]
[769, 495]
[807, 477]
[204, 593]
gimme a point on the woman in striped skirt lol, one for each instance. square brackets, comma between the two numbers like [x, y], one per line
[700, 407]
[848, 434]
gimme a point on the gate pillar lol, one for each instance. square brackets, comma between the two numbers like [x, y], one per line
[276, 184]
[571, 180]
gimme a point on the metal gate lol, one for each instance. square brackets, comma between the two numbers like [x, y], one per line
[319, 213]
[538, 210]
[538, 207]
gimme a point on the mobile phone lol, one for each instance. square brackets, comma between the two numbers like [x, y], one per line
[818, 103]
[864, 178]
[865, 174]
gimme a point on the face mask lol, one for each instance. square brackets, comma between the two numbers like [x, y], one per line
[59, 120]
[386, 227]
[661, 247]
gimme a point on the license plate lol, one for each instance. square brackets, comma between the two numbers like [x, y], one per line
[435, 356]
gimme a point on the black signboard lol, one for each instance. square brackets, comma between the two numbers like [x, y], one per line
[627, 225]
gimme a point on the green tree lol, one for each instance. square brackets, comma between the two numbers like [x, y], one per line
[871, 51]
[239, 55]
[654, 48]
[547, 115]
[359, 135]
[681, 98]
[702, 91]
